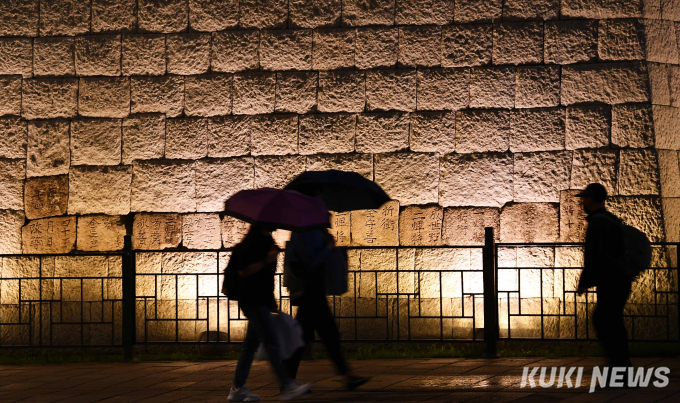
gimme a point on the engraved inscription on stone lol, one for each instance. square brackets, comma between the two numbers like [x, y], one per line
[421, 226]
[340, 228]
[572, 217]
[201, 231]
[376, 227]
[46, 196]
[100, 233]
[233, 231]
[49, 235]
[156, 231]
[465, 225]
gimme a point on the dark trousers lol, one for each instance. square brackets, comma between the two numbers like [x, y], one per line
[314, 314]
[609, 324]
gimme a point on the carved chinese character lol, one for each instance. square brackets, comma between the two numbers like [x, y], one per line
[49, 235]
[375, 227]
[420, 225]
[154, 231]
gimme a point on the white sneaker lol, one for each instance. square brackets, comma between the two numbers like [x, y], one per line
[242, 394]
[294, 390]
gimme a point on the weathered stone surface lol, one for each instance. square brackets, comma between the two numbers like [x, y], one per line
[660, 83]
[443, 89]
[539, 177]
[163, 186]
[104, 97]
[360, 163]
[391, 90]
[341, 91]
[276, 172]
[19, 18]
[572, 219]
[99, 190]
[492, 87]
[65, 17]
[114, 15]
[666, 121]
[286, 50]
[100, 233]
[98, 55]
[382, 132]
[465, 225]
[643, 213]
[263, 13]
[327, 133]
[143, 55]
[208, 95]
[537, 130]
[211, 15]
[219, 179]
[587, 126]
[537, 86]
[333, 49]
[591, 166]
[476, 180]
[156, 231]
[632, 126]
[188, 53]
[420, 225]
[638, 173]
[529, 222]
[477, 11]
[186, 138]
[10, 225]
[234, 51]
[233, 231]
[13, 138]
[314, 13]
[53, 57]
[48, 148]
[201, 231]
[531, 10]
[12, 175]
[340, 228]
[378, 227]
[482, 131]
[601, 9]
[466, 45]
[10, 93]
[433, 132]
[16, 56]
[408, 177]
[569, 42]
[274, 135]
[420, 12]
[96, 142]
[661, 43]
[620, 40]
[296, 92]
[49, 235]
[228, 136]
[357, 13]
[376, 47]
[157, 94]
[254, 93]
[49, 98]
[518, 43]
[143, 137]
[420, 46]
[604, 82]
[669, 173]
[165, 16]
[671, 218]
[46, 196]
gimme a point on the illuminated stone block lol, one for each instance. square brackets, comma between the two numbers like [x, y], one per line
[13, 138]
[357, 13]
[476, 180]
[518, 43]
[100, 233]
[13, 173]
[483, 131]
[525, 135]
[97, 189]
[96, 142]
[163, 186]
[620, 40]
[632, 126]
[20, 267]
[465, 225]
[660, 42]
[492, 87]
[207, 95]
[314, 13]
[433, 132]
[638, 173]
[382, 132]
[113, 15]
[372, 280]
[48, 98]
[376, 47]
[286, 49]
[424, 12]
[477, 11]
[219, 179]
[466, 45]
[341, 91]
[274, 135]
[10, 225]
[540, 176]
[391, 90]
[296, 92]
[605, 82]
[16, 56]
[420, 225]
[186, 138]
[98, 55]
[360, 163]
[254, 93]
[49, 235]
[594, 166]
[143, 137]
[65, 17]
[420, 46]
[537, 86]
[156, 231]
[341, 228]
[277, 171]
[188, 53]
[443, 89]
[104, 97]
[643, 213]
[143, 55]
[233, 231]
[234, 51]
[228, 136]
[587, 127]
[164, 17]
[46, 196]
[157, 94]
[21, 18]
[529, 222]
[10, 91]
[410, 178]
[376, 227]
[201, 231]
[572, 217]
[333, 49]
[210, 15]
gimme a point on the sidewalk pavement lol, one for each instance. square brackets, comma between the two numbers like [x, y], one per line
[399, 380]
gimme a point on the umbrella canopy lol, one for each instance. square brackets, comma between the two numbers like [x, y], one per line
[340, 190]
[285, 209]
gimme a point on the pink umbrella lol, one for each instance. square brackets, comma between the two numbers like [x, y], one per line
[285, 209]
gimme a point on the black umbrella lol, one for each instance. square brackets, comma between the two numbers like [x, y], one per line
[340, 190]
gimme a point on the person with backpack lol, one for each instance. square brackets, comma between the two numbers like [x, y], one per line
[249, 279]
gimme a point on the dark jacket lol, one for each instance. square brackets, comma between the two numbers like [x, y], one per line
[256, 289]
[306, 255]
[604, 251]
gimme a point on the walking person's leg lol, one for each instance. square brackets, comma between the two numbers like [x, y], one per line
[306, 319]
[239, 392]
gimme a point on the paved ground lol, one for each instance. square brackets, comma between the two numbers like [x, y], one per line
[434, 380]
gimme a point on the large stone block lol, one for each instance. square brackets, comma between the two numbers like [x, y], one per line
[378, 227]
[96, 142]
[537, 86]
[229, 136]
[609, 83]
[476, 180]
[98, 55]
[10, 225]
[638, 173]
[601, 9]
[465, 225]
[219, 179]
[666, 122]
[12, 175]
[408, 177]
[315, 13]
[46, 196]
[341, 228]
[208, 95]
[201, 231]
[278, 171]
[286, 50]
[492, 87]
[20, 18]
[376, 47]
[157, 94]
[13, 138]
[420, 12]
[669, 173]
[341, 91]
[391, 90]
[518, 43]
[671, 218]
[587, 126]
[360, 163]
[49, 98]
[466, 45]
[477, 11]
[433, 132]
[233, 231]
[49, 235]
[530, 222]
[632, 126]
[643, 213]
[234, 51]
[531, 10]
[263, 13]
[48, 148]
[143, 55]
[156, 231]
[163, 186]
[659, 83]
[660, 42]
[274, 135]
[333, 49]
[114, 16]
[186, 138]
[569, 42]
[420, 46]
[104, 97]
[482, 131]
[64, 17]
[539, 177]
[296, 92]
[620, 40]
[100, 233]
[420, 225]
[143, 138]
[162, 16]
[254, 93]
[591, 166]
[53, 57]
[356, 13]
[443, 89]
[211, 15]
[16, 56]
[99, 190]
[537, 130]
[382, 132]
[327, 133]
[10, 93]
[572, 219]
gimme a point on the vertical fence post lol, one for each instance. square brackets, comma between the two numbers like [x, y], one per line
[490, 293]
[129, 290]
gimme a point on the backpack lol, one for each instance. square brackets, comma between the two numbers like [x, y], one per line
[638, 253]
[230, 284]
